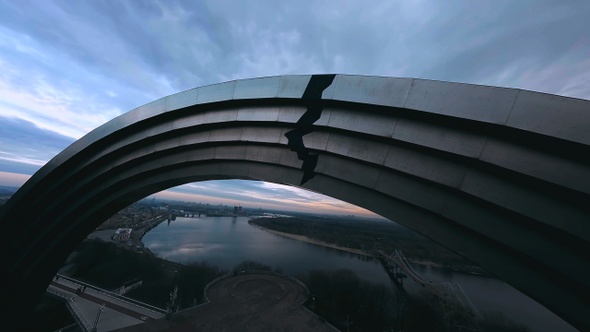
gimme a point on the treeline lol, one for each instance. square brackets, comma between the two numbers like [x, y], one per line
[352, 304]
[349, 303]
[369, 236]
[109, 266]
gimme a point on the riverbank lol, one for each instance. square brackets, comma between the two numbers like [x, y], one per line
[303, 238]
[458, 268]
[139, 232]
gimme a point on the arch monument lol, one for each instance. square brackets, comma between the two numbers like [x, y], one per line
[500, 176]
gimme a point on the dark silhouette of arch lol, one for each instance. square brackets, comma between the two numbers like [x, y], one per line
[500, 176]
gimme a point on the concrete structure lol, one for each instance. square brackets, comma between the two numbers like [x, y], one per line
[501, 176]
[116, 311]
[256, 301]
[122, 234]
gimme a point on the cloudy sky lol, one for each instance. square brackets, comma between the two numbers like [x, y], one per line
[66, 66]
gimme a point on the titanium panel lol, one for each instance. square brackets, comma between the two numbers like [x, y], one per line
[347, 170]
[196, 137]
[230, 152]
[182, 99]
[357, 148]
[225, 135]
[158, 129]
[169, 143]
[474, 102]
[292, 114]
[282, 138]
[362, 120]
[258, 113]
[270, 173]
[193, 120]
[551, 115]
[408, 189]
[316, 140]
[216, 92]
[490, 223]
[293, 86]
[328, 93]
[263, 154]
[261, 134]
[207, 153]
[386, 91]
[104, 130]
[537, 164]
[289, 159]
[441, 138]
[149, 110]
[525, 201]
[425, 166]
[153, 164]
[257, 88]
[537, 245]
[225, 115]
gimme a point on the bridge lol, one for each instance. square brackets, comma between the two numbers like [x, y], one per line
[500, 176]
[457, 309]
[99, 309]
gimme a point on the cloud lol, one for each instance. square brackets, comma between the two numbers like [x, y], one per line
[13, 179]
[160, 47]
[23, 144]
[263, 194]
[42, 92]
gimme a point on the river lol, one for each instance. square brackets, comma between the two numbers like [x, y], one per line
[228, 241]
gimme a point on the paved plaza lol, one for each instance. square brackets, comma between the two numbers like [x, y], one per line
[250, 302]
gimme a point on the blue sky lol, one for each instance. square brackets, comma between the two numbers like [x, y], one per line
[66, 67]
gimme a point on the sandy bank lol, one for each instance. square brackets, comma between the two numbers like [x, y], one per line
[314, 241]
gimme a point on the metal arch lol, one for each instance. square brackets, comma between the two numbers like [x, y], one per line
[499, 175]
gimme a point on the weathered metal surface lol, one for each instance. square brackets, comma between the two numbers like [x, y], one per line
[257, 88]
[455, 140]
[377, 124]
[386, 91]
[217, 92]
[551, 115]
[540, 164]
[465, 101]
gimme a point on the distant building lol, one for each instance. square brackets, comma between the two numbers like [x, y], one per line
[122, 234]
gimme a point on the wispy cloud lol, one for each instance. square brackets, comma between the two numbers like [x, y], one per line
[13, 179]
[23, 142]
[263, 194]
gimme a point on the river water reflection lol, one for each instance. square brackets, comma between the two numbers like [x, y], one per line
[228, 241]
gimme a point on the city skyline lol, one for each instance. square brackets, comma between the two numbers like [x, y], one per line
[69, 67]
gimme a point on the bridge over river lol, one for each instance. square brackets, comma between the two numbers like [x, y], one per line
[457, 309]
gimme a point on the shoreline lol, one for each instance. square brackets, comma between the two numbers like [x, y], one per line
[306, 239]
[471, 270]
